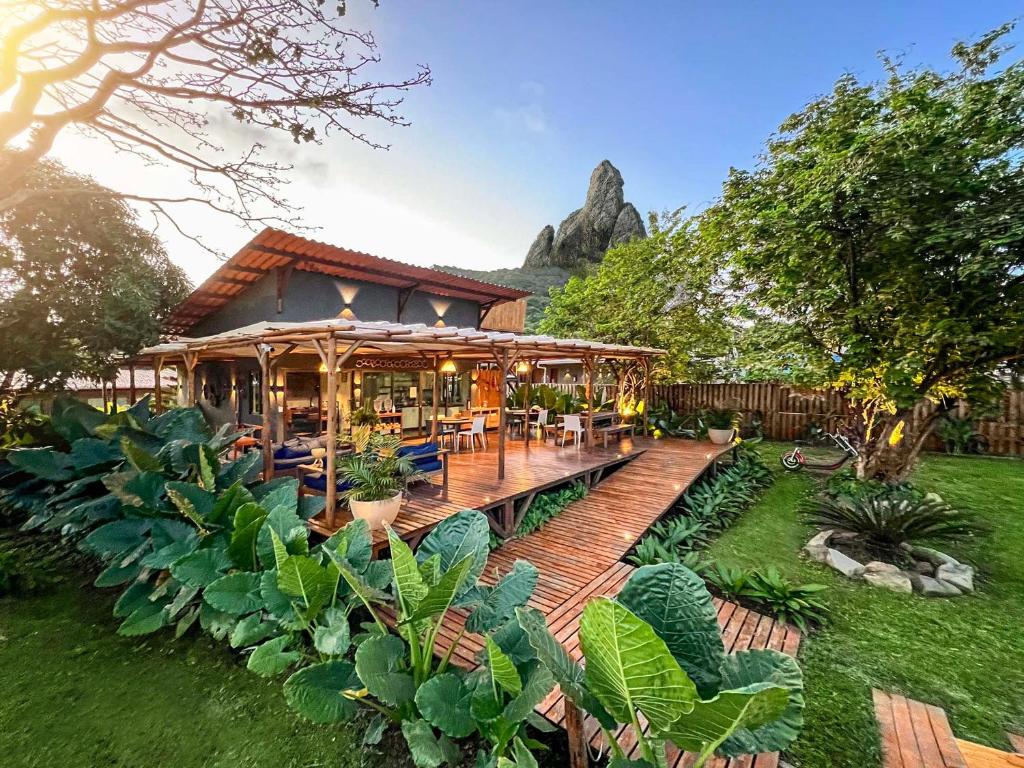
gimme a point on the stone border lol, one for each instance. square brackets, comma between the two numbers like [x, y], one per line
[934, 574]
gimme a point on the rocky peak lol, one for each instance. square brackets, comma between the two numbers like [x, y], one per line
[585, 234]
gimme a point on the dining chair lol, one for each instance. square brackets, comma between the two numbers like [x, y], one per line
[571, 422]
[541, 423]
[476, 429]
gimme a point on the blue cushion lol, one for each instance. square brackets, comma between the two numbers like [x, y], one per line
[292, 452]
[417, 450]
[430, 465]
[292, 463]
[319, 483]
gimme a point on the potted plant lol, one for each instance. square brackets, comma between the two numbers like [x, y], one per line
[721, 424]
[376, 477]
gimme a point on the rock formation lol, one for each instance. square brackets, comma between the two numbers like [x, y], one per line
[604, 220]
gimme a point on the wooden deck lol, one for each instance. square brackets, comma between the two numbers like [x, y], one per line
[578, 555]
[473, 484]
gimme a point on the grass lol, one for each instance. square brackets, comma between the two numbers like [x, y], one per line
[962, 654]
[74, 694]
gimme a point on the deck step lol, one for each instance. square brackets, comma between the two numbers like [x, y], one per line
[1016, 741]
[980, 756]
[915, 735]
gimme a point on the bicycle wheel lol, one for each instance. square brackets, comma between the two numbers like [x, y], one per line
[791, 462]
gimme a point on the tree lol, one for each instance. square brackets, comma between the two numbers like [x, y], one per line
[149, 75]
[881, 239]
[81, 283]
[652, 292]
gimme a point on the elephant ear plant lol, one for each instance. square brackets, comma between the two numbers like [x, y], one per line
[399, 677]
[655, 654]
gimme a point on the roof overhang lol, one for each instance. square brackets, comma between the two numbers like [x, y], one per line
[272, 249]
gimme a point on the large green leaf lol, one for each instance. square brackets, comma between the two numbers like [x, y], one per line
[567, 672]
[424, 747]
[166, 556]
[139, 457]
[749, 668]
[353, 544]
[116, 574]
[277, 603]
[132, 598]
[186, 424]
[332, 636]
[145, 619]
[237, 594]
[503, 671]
[465, 534]
[90, 452]
[712, 722]
[201, 568]
[630, 668]
[439, 597]
[271, 658]
[538, 684]
[318, 692]
[445, 702]
[291, 531]
[219, 624]
[410, 588]
[45, 463]
[280, 492]
[117, 537]
[202, 501]
[677, 605]
[238, 471]
[136, 489]
[228, 502]
[500, 602]
[245, 530]
[251, 630]
[378, 661]
[303, 577]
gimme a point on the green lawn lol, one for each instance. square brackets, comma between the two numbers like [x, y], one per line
[965, 655]
[75, 695]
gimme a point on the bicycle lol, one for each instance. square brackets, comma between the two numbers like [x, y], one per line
[794, 460]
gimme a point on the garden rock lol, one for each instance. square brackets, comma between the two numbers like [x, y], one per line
[929, 587]
[928, 554]
[897, 582]
[844, 564]
[877, 566]
[924, 568]
[817, 547]
[959, 575]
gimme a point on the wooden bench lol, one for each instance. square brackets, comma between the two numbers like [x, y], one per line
[615, 429]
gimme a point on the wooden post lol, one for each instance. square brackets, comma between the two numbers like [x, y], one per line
[158, 390]
[103, 391]
[647, 392]
[588, 382]
[235, 400]
[263, 354]
[332, 409]
[131, 384]
[113, 390]
[503, 382]
[578, 754]
[526, 407]
[436, 392]
[191, 358]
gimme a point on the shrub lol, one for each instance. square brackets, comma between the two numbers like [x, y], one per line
[959, 436]
[889, 516]
[786, 601]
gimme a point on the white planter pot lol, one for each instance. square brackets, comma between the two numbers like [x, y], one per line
[377, 513]
[720, 436]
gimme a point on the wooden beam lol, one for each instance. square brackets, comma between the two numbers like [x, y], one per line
[190, 358]
[647, 392]
[436, 392]
[403, 298]
[578, 751]
[113, 390]
[131, 383]
[283, 273]
[588, 381]
[526, 407]
[332, 427]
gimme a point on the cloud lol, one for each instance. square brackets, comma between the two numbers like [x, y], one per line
[529, 115]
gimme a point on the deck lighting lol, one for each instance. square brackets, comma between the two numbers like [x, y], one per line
[522, 367]
[448, 366]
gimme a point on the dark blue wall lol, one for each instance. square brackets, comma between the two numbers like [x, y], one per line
[312, 296]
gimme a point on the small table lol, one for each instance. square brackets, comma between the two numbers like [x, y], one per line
[457, 422]
[243, 444]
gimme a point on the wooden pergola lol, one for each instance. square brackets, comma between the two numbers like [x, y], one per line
[335, 341]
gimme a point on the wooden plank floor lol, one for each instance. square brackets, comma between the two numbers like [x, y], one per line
[473, 482]
[980, 756]
[578, 556]
[915, 735]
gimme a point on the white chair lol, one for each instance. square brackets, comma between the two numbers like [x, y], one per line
[540, 423]
[473, 431]
[571, 422]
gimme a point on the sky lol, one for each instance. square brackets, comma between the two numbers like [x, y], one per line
[528, 97]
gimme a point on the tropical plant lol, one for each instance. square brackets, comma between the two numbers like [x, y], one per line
[22, 426]
[886, 519]
[399, 676]
[376, 471]
[731, 581]
[958, 435]
[720, 418]
[365, 416]
[654, 654]
[549, 505]
[795, 603]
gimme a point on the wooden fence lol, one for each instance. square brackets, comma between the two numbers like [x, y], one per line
[787, 412]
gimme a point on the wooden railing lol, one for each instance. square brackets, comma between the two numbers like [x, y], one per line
[787, 412]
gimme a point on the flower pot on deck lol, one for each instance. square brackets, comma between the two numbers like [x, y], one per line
[377, 513]
[720, 436]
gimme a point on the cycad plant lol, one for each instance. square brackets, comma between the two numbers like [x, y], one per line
[886, 520]
[654, 655]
